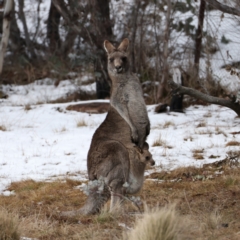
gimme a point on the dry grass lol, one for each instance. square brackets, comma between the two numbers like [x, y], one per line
[60, 130]
[198, 154]
[209, 206]
[208, 114]
[81, 123]
[27, 107]
[162, 223]
[9, 226]
[219, 131]
[202, 124]
[160, 142]
[168, 124]
[3, 128]
[233, 143]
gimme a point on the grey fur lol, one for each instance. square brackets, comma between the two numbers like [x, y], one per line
[114, 159]
[115, 164]
[126, 92]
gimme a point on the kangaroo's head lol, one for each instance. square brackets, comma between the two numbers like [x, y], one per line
[117, 57]
[146, 156]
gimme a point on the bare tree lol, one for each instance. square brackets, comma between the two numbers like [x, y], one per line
[233, 101]
[6, 30]
[99, 30]
[134, 31]
[199, 35]
[25, 28]
[165, 69]
[53, 29]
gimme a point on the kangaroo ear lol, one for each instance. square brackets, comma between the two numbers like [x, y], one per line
[145, 146]
[124, 45]
[108, 47]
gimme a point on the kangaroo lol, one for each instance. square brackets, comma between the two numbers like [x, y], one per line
[115, 165]
[113, 173]
[126, 92]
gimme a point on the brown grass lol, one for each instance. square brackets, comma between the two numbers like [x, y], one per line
[233, 143]
[81, 123]
[198, 154]
[201, 124]
[3, 128]
[168, 124]
[160, 142]
[162, 223]
[8, 226]
[27, 107]
[210, 202]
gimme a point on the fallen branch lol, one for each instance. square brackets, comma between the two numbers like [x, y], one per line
[207, 98]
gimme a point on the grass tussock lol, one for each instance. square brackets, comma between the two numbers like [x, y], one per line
[3, 128]
[198, 154]
[81, 123]
[107, 216]
[168, 124]
[60, 129]
[161, 223]
[201, 124]
[9, 229]
[27, 107]
[207, 204]
[159, 142]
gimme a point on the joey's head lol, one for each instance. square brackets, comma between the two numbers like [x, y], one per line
[118, 62]
[146, 156]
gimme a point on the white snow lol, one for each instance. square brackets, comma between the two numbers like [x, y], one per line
[45, 143]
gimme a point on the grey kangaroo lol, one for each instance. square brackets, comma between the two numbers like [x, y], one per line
[115, 165]
[126, 92]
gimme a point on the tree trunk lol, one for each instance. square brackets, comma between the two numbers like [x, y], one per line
[16, 43]
[25, 29]
[53, 29]
[134, 30]
[199, 35]
[165, 73]
[102, 31]
[6, 31]
[99, 30]
[68, 43]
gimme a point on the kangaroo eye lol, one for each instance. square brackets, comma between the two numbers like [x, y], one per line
[124, 59]
[147, 158]
[111, 59]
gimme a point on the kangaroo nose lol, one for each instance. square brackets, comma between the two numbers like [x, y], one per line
[118, 68]
[152, 162]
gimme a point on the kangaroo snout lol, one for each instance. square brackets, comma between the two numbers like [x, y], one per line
[118, 68]
[152, 162]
